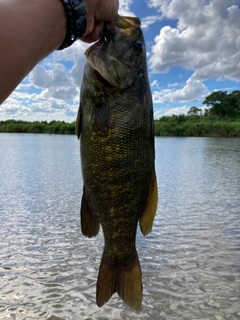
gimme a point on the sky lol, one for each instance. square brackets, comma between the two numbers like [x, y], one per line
[193, 49]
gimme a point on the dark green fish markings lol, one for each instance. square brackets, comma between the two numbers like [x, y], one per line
[115, 126]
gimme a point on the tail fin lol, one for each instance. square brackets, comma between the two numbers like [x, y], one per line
[126, 280]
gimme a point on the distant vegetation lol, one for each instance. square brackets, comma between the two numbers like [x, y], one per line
[197, 126]
[19, 126]
[221, 119]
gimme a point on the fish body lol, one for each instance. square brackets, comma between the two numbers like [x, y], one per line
[115, 127]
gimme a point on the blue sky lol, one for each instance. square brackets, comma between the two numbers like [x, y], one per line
[193, 48]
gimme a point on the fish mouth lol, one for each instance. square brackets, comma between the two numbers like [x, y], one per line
[124, 22]
[92, 53]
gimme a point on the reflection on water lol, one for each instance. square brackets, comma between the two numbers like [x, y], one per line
[190, 262]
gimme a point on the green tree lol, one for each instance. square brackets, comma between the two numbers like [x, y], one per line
[233, 100]
[194, 111]
[216, 101]
[223, 104]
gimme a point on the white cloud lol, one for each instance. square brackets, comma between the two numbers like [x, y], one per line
[74, 54]
[62, 93]
[174, 111]
[206, 39]
[56, 83]
[24, 86]
[124, 8]
[12, 108]
[192, 91]
[147, 21]
[162, 95]
[40, 110]
[177, 111]
[181, 110]
[23, 96]
[157, 114]
[154, 84]
[40, 77]
[56, 79]
[76, 72]
[171, 85]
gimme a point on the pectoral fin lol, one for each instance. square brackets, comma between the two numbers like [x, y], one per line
[148, 215]
[89, 222]
[100, 118]
[78, 127]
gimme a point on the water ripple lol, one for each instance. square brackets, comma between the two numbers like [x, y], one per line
[190, 262]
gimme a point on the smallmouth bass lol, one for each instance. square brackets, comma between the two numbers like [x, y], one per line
[115, 127]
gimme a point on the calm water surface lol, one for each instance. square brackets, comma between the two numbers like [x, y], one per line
[190, 261]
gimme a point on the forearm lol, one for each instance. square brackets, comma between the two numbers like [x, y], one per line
[29, 31]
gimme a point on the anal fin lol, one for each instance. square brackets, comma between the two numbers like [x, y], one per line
[89, 222]
[149, 213]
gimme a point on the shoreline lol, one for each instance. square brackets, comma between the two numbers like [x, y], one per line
[174, 126]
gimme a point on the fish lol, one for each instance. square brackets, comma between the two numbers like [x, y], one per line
[116, 131]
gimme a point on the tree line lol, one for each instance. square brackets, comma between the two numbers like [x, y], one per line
[221, 118]
[197, 126]
[221, 104]
[53, 127]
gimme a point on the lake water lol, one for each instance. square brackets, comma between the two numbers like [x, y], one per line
[190, 262]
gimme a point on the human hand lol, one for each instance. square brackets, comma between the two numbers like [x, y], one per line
[98, 12]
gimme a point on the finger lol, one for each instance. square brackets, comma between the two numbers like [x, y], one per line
[105, 12]
[95, 34]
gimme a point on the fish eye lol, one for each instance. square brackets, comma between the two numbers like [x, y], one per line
[139, 45]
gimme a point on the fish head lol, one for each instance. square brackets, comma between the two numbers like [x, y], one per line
[120, 53]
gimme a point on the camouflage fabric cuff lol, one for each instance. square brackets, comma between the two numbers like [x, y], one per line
[76, 11]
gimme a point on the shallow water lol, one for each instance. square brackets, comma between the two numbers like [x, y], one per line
[190, 262]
